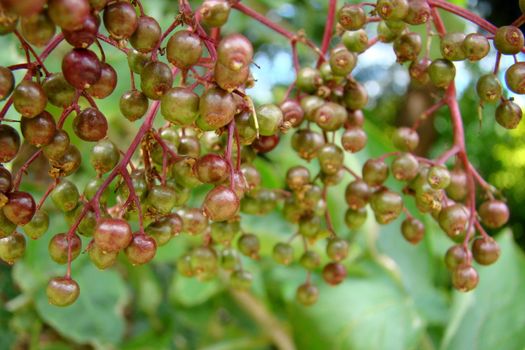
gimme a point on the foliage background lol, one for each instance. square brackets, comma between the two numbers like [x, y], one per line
[396, 296]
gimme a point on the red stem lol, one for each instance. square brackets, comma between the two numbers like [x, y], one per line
[328, 30]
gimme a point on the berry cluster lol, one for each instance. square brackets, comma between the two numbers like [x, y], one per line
[196, 78]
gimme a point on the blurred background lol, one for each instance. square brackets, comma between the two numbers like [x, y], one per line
[397, 296]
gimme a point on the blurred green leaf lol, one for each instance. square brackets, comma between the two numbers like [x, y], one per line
[491, 316]
[370, 313]
[192, 292]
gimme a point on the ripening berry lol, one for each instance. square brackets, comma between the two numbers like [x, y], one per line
[392, 9]
[334, 273]
[62, 291]
[405, 139]
[486, 251]
[418, 12]
[351, 17]
[489, 88]
[214, 13]
[509, 114]
[307, 294]
[456, 256]
[249, 245]
[141, 249]
[476, 46]
[509, 40]
[60, 245]
[375, 172]
[337, 249]
[442, 72]
[241, 279]
[112, 235]
[494, 213]
[465, 278]
[453, 220]
[120, 19]
[452, 46]
[515, 78]
[12, 247]
[438, 177]
[413, 230]
[283, 253]
[407, 47]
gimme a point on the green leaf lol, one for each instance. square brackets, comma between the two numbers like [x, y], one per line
[372, 313]
[491, 316]
[191, 291]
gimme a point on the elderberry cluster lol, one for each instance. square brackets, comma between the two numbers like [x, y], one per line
[196, 77]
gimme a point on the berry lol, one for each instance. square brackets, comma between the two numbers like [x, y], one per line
[141, 249]
[330, 116]
[147, 35]
[442, 72]
[310, 260]
[351, 17]
[413, 230]
[475, 46]
[38, 225]
[355, 41]
[194, 222]
[20, 207]
[387, 206]
[453, 220]
[62, 291]
[58, 90]
[214, 13]
[217, 107]
[375, 172]
[293, 115]
[68, 14]
[221, 203]
[104, 156]
[457, 190]
[133, 105]
[81, 68]
[494, 213]
[84, 36]
[334, 273]
[485, 251]
[29, 99]
[452, 46]
[61, 244]
[270, 118]
[337, 249]
[155, 79]
[283, 253]
[456, 256]
[405, 167]
[515, 78]
[418, 12]
[112, 235]
[7, 82]
[465, 278]
[68, 163]
[297, 177]
[508, 40]
[37, 29]
[308, 79]
[137, 60]
[342, 61]
[184, 49]
[204, 262]
[235, 52]
[331, 158]
[355, 95]
[249, 245]
[12, 248]
[509, 114]
[161, 199]
[392, 9]
[180, 106]
[120, 19]
[58, 146]
[101, 259]
[211, 168]
[65, 196]
[357, 194]
[9, 143]
[40, 130]
[90, 125]
[106, 84]
[438, 177]
[407, 47]
[489, 88]
[307, 294]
